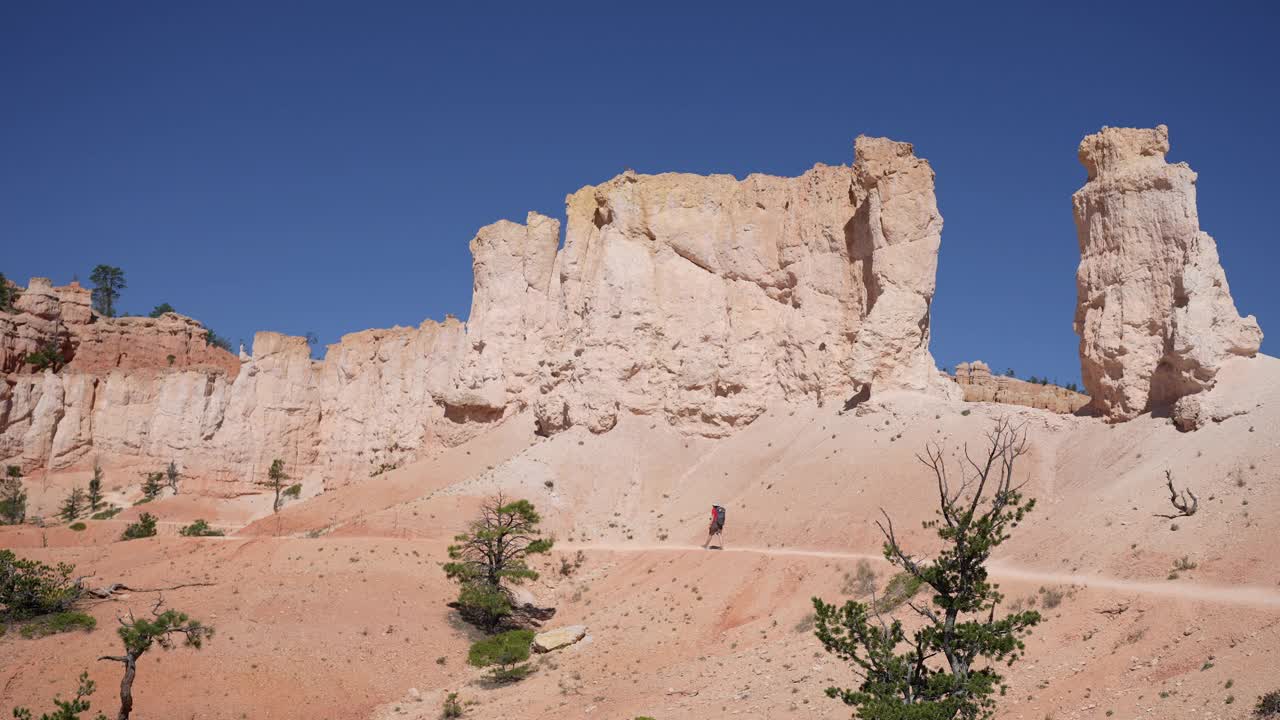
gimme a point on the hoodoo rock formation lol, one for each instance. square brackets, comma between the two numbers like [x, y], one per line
[697, 299]
[706, 298]
[1154, 312]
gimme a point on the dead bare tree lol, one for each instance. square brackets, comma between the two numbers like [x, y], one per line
[138, 635]
[109, 591]
[1186, 502]
[172, 476]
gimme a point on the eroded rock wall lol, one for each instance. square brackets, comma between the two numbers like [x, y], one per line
[1154, 312]
[704, 299]
[980, 385]
[699, 300]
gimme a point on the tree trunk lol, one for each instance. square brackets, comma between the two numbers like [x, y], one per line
[126, 689]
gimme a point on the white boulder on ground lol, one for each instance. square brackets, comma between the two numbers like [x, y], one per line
[560, 637]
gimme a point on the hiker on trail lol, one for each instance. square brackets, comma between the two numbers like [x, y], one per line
[717, 525]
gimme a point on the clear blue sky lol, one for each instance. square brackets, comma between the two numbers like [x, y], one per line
[322, 166]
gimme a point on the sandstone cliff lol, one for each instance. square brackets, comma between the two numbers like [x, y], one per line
[704, 299]
[1154, 312]
[698, 300]
[90, 343]
[981, 386]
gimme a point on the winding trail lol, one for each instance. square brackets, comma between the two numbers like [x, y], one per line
[1246, 595]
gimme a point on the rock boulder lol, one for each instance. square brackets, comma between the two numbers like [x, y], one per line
[560, 637]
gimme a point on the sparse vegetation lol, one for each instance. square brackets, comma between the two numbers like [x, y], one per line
[9, 294]
[1268, 706]
[144, 528]
[805, 623]
[383, 467]
[275, 481]
[294, 491]
[200, 528]
[106, 514]
[140, 635]
[961, 628]
[452, 708]
[108, 281]
[161, 309]
[78, 526]
[13, 498]
[30, 588]
[1184, 564]
[494, 551]
[172, 476]
[1051, 598]
[73, 506]
[861, 582]
[66, 709]
[152, 485]
[505, 653]
[94, 496]
[58, 623]
[49, 356]
[901, 587]
[569, 567]
[216, 340]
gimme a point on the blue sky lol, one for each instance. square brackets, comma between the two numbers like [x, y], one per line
[322, 166]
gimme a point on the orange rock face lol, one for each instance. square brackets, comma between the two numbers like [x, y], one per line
[95, 344]
[981, 386]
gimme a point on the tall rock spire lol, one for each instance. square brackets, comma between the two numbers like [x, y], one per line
[1154, 312]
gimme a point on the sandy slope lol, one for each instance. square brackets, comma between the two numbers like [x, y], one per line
[334, 608]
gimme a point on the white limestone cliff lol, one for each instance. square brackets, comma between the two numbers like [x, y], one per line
[699, 300]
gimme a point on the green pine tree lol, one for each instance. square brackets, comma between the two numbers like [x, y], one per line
[108, 281]
[495, 551]
[67, 709]
[276, 479]
[141, 634]
[95, 489]
[161, 309]
[13, 498]
[73, 506]
[153, 485]
[947, 668]
[8, 294]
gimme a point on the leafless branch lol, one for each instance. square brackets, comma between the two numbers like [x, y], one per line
[1186, 502]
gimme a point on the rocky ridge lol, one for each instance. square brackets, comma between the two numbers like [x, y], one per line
[981, 386]
[700, 300]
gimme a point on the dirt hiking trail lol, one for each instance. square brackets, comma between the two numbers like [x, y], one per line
[1250, 596]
